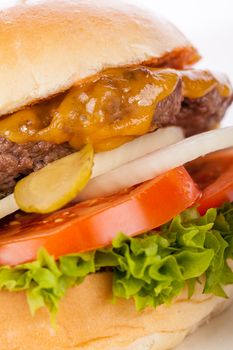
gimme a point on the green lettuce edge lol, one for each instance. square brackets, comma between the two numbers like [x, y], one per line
[152, 268]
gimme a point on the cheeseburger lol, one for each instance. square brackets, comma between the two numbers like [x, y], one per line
[116, 184]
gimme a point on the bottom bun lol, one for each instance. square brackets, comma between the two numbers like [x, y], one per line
[88, 320]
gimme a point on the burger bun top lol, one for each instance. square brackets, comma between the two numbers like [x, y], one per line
[48, 46]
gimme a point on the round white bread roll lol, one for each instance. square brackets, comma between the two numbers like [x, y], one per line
[88, 320]
[48, 46]
[45, 48]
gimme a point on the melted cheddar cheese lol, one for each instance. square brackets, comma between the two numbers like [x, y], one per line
[108, 109]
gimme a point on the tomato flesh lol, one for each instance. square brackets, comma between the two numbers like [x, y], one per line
[93, 224]
[219, 192]
[214, 175]
[206, 170]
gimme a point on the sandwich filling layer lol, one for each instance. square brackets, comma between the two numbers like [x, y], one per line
[151, 269]
[106, 111]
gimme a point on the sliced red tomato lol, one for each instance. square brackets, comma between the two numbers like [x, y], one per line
[92, 224]
[214, 174]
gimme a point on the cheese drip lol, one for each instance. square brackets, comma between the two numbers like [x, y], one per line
[107, 109]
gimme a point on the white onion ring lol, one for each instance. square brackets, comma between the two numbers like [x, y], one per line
[157, 162]
[142, 145]
[106, 161]
[146, 167]
[8, 206]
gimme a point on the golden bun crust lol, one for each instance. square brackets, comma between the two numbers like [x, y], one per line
[48, 46]
[88, 320]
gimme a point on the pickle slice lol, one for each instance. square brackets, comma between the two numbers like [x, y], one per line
[55, 185]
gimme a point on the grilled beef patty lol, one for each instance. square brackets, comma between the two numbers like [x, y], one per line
[193, 115]
[18, 160]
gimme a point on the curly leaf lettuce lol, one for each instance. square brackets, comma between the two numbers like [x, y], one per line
[152, 268]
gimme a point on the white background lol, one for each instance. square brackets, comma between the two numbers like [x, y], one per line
[209, 25]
